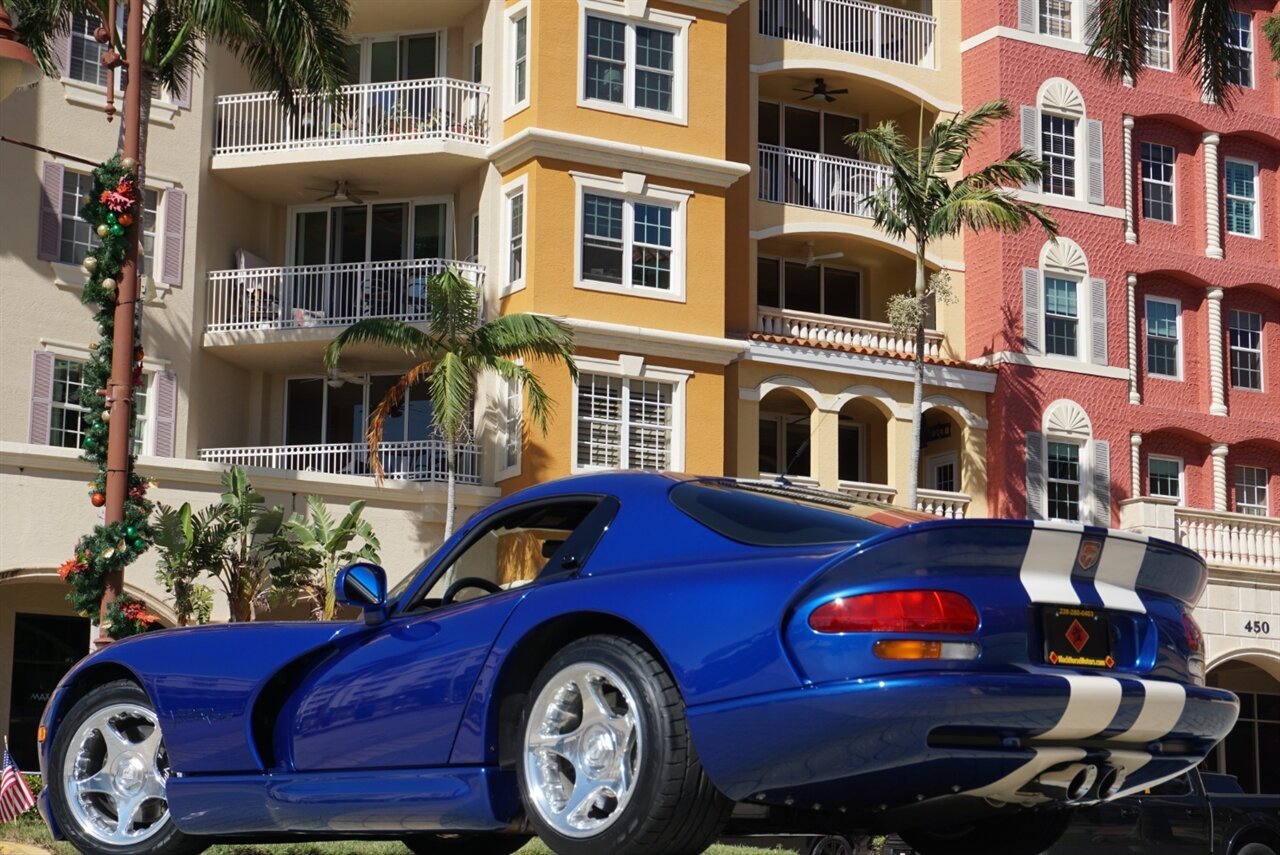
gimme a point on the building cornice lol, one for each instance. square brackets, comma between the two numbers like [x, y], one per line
[867, 365]
[1050, 363]
[719, 7]
[648, 341]
[593, 151]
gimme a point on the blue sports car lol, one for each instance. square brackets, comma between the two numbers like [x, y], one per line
[693, 656]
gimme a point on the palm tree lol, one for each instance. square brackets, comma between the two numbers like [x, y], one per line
[456, 347]
[286, 45]
[919, 201]
[1120, 45]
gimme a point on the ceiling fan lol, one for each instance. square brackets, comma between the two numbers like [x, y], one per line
[336, 379]
[810, 259]
[820, 90]
[342, 191]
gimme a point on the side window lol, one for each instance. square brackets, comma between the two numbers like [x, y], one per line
[1179, 786]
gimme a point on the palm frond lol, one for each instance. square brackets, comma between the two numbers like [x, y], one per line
[378, 418]
[526, 336]
[387, 332]
[453, 304]
[452, 383]
[949, 140]
[982, 208]
[883, 144]
[1016, 169]
[540, 404]
[40, 23]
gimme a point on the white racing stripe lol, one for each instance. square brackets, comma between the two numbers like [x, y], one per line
[1046, 568]
[1161, 708]
[1007, 787]
[1131, 762]
[1117, 576]
[1090, 708]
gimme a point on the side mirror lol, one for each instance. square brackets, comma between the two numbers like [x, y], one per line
[365, 586]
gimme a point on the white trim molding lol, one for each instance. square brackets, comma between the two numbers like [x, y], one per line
[631, 13]
[902, 246]
[866, 365]
[603, 335]
[593, 151]
[506, 284]
[1067, 203]
[857, 67]
[1052, 363]
[515, 12]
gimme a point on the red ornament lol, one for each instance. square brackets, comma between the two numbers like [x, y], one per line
[98, 500]
[125, 220]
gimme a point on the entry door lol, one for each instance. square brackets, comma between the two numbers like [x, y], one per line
[44, 649]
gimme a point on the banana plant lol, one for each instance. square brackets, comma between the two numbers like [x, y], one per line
[190, 544]
[244, 565]
[311, 548]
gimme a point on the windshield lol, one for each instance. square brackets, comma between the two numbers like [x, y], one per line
[778, 515]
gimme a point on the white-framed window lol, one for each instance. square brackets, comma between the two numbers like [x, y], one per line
[628, 415]
[1244, 330]
[1241, 178]
[1061, 316]
[1157, 35]
[475, 238]
[391, 57]
[514, 228]
[78, 237]
[1064, 481]
[631, 237]
[66, 415]
[1164, 335]
[477, 62]
[335, 410]
[784, 444]
[1164, 477]
[512, 427]
[1058, 150]
[1240, 50]
[1157, 181]
[1056, 18]
[1251, 491]
[944, 472]
[819, 289]
[86, 53]
[633, 65]
[517, 97]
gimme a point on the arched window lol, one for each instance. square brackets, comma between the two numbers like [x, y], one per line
[1064, 309]
[1068, 471]
[1056, 131]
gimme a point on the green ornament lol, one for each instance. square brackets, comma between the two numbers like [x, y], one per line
[103, 230]
[139, 544]
[89, 442]
[117, 230]
[111, 217]
[130, 530]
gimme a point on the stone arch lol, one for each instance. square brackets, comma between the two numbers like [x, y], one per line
[958, 409]
[879, 398]
[1263, 658]
[791, 383]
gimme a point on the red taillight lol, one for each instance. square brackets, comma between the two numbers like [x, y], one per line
[1195, 639]
[898, 611]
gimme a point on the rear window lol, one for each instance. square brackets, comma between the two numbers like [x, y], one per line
[767, 516]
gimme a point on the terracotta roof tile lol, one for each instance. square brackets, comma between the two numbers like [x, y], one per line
[868, 351]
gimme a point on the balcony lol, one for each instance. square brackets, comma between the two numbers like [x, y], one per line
[825, 182]
[853, 27]
[873, 335]
[1226, 541]
[416, 460]
[325, 295]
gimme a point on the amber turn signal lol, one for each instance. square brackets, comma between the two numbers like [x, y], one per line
[913, 649]
[40, 734]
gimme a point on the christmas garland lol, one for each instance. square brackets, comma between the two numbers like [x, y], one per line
[111, 211]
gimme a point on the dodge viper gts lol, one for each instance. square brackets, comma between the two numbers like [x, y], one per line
[689, 657]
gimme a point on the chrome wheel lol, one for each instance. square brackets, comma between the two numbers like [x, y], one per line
[582, 749]
[114, 773]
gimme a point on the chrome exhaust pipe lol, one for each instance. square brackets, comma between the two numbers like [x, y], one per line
[1069, 784]
[1110, 781]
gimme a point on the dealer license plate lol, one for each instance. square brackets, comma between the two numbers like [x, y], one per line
[1077, 637]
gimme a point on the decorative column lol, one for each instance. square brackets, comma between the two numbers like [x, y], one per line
[1135, 465]
[1219, 450]
[1135, 397]
[1217, 381]
[1130, 236]
[1212, 198]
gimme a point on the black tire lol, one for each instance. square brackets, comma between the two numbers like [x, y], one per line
[471, 844]
[157, 834]
[672, 807]
[830, 844]
[1255, 848]
[1026, 833]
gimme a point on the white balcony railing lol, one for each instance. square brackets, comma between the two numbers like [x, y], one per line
[868, 492]
[823, 181]
[1235, 540]
[847, 331]
[942, 503]
[322, 295]
[853, 26]
[368, 113]
[415, 460]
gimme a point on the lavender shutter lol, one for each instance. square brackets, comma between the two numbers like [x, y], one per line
[1035, 475]
[1031, 310]
[1091, 21]
[1030, 138]
[41, 397]
[1102, 483]
[166, 413]
[1098, 321]
[174, 230]
[60, 47]
[184, 92]
[49, 230]
[1093, 135]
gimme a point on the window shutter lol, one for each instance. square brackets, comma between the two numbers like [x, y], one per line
[1090, 21]
[1093, 133]
[1031, 310]
[1031, 139]
[41, 397]
[166, 413]
[184, 92]
[60, 47]
[1098, 321]
[175, 220]
[1102, 483]
[49, 239]
[1035, 475]
[1027, 15]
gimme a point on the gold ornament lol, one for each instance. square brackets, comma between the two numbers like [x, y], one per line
[108, 284]
[108, 552]
[128, 164]
[103, 230]
[90, 263]
[106, 415]
[121, 546]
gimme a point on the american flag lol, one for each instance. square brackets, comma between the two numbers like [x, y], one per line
[15, 795]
